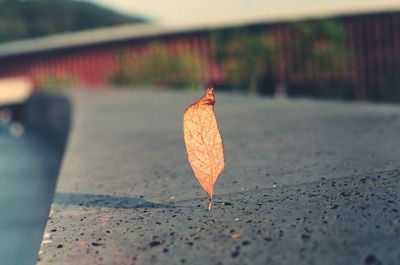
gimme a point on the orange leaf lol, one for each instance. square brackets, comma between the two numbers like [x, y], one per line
[203, 142]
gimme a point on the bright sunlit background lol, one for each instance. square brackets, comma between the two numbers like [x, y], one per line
[179, 12]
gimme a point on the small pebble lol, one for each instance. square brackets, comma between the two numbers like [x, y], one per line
[154, 243]
[305, 236]
[245, 243]
[371, 259]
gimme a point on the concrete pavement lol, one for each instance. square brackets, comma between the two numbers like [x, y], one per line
[306, 182]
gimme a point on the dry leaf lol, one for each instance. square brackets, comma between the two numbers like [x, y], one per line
[203, 142]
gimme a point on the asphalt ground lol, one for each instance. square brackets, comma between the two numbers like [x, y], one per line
[305, 182]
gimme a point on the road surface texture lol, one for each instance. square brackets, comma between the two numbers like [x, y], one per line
[305, 182]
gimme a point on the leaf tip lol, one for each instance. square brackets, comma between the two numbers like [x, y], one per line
[209, 97]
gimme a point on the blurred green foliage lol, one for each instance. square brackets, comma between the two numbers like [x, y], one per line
[321, 47]
[158, 65]
[325, 60]
[251, 56]
[32, 18]
[244, 56]
[57, 82]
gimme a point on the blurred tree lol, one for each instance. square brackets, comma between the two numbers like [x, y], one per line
[244, 56]
[158, 65]
[321, 46]
[321, 49]
[33, 18]
[249, 57]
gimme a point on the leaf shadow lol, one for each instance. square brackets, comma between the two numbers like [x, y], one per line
[105, 201]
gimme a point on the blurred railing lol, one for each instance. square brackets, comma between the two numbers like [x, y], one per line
[347, 57]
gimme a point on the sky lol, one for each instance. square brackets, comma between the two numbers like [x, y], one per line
[181, 12]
